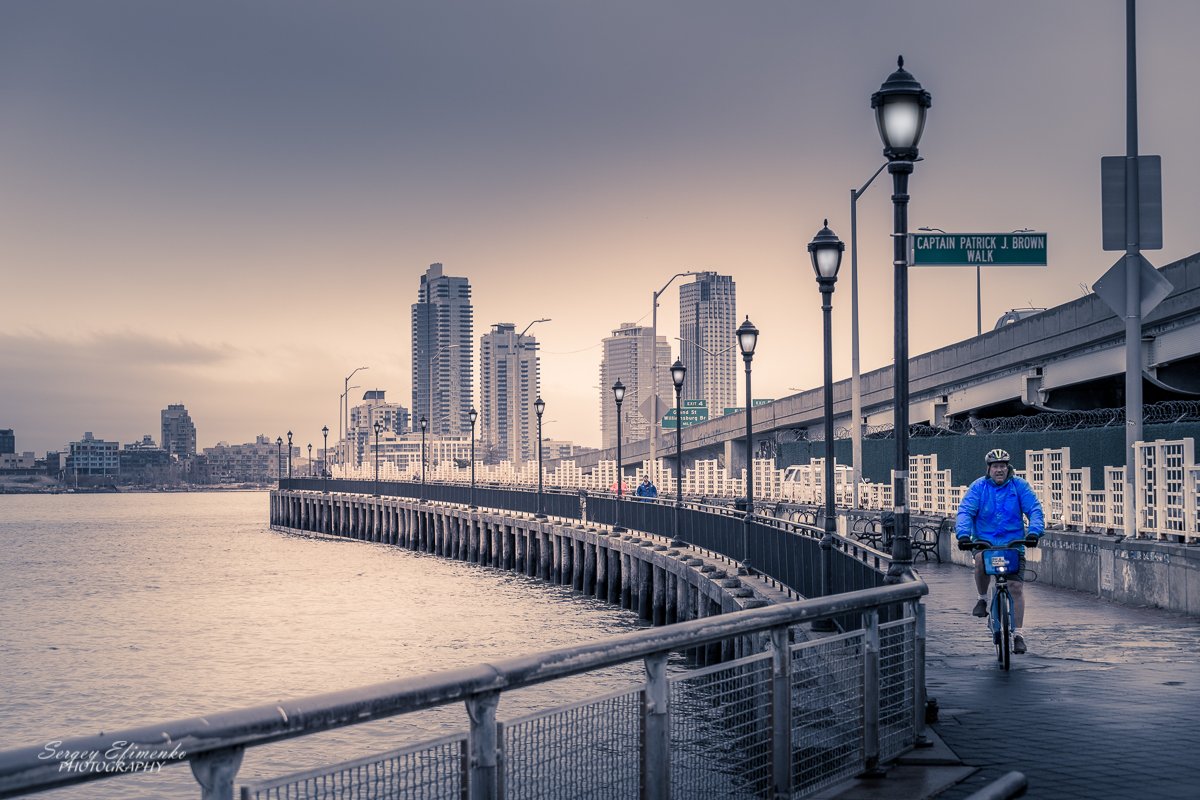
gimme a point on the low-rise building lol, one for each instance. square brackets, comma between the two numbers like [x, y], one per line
[254, 462]
[92, 456]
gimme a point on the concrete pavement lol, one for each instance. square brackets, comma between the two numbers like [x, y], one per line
[1105, 704]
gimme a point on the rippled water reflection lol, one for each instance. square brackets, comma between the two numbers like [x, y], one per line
[122, 610]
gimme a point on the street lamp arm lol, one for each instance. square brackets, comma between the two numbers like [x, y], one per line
[870, 180]
[530, 325]
[672, 280]
[705, 349]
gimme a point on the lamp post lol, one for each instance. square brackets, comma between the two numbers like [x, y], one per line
[678, 373]
[539, 406]
[378, 426]
[474, 417]
[278, 458]
[900, 106]
[325, 460]
[826, 252]
[424, 425]
[345, 412]
[310, 464]
[856, 422]
[618, 390]
[289, 455]
[654, 416]
[747, 336]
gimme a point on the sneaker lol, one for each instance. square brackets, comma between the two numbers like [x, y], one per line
[980, 609]
[1018, 644]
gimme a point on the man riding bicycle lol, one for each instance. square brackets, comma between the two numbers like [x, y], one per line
[992, 511]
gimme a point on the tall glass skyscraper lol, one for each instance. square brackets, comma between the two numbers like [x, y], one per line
[509, 382]
[708, 340]
[442, 353]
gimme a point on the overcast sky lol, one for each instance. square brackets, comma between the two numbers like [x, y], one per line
[229, 205]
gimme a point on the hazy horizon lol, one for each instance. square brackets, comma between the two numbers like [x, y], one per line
[230, 206]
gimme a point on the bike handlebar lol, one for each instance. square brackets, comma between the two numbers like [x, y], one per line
[977, 545]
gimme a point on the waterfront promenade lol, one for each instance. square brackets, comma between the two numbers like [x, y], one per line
[1106, 704]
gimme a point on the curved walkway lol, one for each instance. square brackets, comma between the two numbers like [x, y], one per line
[1106, 704]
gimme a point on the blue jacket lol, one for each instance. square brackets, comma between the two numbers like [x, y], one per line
[994, 513]
[646, 490]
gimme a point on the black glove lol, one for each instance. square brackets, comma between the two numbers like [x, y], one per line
[1031, 540]
[964, 543]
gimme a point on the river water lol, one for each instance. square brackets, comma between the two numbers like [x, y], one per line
[119, 610]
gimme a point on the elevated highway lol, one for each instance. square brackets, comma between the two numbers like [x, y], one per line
[1070, 357]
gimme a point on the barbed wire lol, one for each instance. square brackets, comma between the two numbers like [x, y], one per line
[1164, 413]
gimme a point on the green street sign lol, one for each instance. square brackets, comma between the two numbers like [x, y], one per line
[727, 410]
[694, 411]
[763, 401]
[977, 249]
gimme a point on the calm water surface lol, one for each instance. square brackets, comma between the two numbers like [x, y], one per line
[128, 609]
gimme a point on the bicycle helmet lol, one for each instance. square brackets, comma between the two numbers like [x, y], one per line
[997, 455]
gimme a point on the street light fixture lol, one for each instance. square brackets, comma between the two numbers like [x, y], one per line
[618, 390]
[378, 426]
[654, 416]
[289, 455]
[310, 463]
[325, 460]
[345, 413]
[474, 416]
[279, 458]
[424, 425]
[747, 336]
[678, 373]
[826, 252]
[900, 107]
[539, 406]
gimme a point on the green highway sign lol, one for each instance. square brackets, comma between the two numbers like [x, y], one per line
[977, 249]
[694, 411]
[757, 402]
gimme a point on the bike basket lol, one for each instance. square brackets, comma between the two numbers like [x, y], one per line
[999, 561]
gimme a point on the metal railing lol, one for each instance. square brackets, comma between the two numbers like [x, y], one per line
[788, 553]
[790, 718]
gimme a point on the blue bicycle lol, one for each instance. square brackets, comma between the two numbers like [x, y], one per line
[1001, 562]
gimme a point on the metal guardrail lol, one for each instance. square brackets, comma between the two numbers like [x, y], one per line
[786, 721]
[785, 552]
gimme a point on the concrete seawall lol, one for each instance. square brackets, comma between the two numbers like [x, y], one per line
[631, 569]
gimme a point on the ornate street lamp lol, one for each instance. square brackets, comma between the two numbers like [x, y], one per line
[378, 426]
[279, 458]
[539, 406]
[474, 416]
[310, 464]
[826, 252]
[618, 390]
[424, 425]
[747, 336]
[325, 460]
[678, 372]
[900, 107]
[289, 455]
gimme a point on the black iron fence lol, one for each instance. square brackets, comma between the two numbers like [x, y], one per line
[787, 553]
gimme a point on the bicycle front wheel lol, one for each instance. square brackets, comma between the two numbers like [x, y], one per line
[1003, 607]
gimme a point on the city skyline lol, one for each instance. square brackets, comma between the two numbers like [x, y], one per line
[240, 235]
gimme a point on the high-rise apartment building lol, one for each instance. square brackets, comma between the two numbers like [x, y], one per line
[627, 357]
[509, 382]
[374, 408]
[442, 353]
[708, 340]
[178, 432]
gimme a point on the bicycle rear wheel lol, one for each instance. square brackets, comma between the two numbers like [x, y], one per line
[1003, 606]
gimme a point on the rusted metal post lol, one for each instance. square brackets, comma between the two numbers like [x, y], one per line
[871, 691]
[216, 771]
[656, 727]
[481, 744]
[781, 712]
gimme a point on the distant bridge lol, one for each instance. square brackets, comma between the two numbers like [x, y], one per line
[1070, 357]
